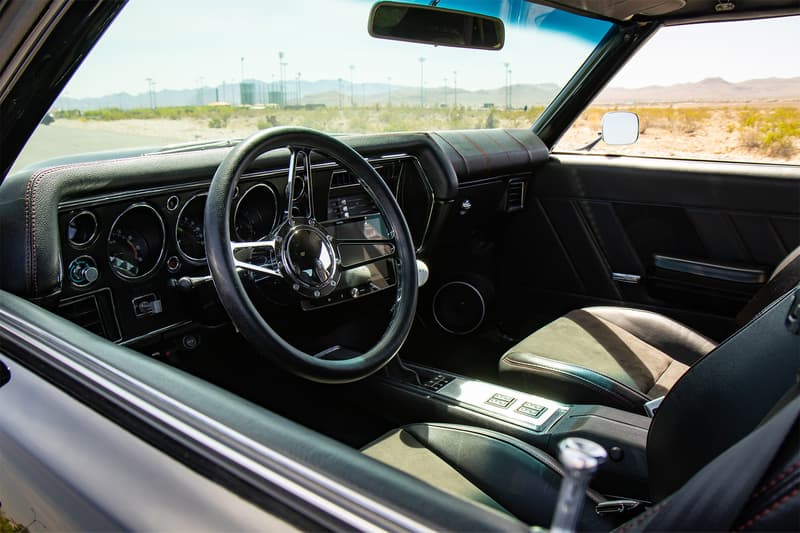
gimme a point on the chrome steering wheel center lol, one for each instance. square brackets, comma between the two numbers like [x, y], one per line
[309, 259]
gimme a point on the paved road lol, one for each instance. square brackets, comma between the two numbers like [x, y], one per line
[59, 139]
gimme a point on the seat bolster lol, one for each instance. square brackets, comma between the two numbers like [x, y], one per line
[520, 477]
[566, 382]
[673, 338]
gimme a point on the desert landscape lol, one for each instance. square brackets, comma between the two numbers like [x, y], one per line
[712, 120]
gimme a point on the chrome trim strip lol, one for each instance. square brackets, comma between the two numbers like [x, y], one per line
[155, 332]
[752, 276]
[209, 433]
[626, 278]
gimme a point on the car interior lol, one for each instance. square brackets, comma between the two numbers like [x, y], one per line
[451, 304]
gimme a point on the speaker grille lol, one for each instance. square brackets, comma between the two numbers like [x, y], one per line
[458, 307]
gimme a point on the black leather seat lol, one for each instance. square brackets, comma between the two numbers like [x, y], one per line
[720, 400]
[618, 356]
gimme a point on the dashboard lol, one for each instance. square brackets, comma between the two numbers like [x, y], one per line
[114, 242]
[130, 260]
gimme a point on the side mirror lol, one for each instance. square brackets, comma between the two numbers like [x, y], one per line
[620, 127]
[434, 25]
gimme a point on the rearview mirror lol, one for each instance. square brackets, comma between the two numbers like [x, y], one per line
[436, 26]
[620, 127]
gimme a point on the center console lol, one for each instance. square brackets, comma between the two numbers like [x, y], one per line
[433, 395]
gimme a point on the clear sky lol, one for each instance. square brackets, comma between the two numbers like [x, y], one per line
[735, 51]
[185, 43]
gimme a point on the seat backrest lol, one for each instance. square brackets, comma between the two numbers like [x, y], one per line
[722, 398]
[785, 276]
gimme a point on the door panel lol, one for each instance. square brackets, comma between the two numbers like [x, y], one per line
[596, 223]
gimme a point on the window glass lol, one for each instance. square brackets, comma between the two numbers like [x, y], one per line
[719, 91]
[177, 72]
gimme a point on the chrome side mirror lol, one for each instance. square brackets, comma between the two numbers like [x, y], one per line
[620, 127]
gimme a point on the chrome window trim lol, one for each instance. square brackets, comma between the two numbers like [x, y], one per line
[206, 432]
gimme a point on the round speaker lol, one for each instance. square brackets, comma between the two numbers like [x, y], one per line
[459, 307]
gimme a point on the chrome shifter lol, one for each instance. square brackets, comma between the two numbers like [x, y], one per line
[580, 458]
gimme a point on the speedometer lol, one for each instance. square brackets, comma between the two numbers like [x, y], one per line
[189, 230]
[136, 242]
[255, 213]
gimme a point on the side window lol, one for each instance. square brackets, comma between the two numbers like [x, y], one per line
[725, 91]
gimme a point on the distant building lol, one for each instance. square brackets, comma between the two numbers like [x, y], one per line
[247, 91]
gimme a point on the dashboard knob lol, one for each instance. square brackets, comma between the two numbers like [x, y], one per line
[90, 274]
[83, 271]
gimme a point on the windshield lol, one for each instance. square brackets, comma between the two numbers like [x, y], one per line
[188, 71]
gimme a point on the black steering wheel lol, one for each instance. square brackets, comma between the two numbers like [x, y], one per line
[307, 255]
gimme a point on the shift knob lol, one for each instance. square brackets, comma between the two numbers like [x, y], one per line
[580, 458]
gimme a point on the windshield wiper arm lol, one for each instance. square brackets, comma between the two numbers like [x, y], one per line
[192, 146]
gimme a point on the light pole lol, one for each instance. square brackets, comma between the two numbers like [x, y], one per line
[389, 85]
[508, 86]
[200, 91]
[298, 88]
[455, 89]
[151, 92]
[352, 97]
[283, 78]
[421, 82]
[510, 105]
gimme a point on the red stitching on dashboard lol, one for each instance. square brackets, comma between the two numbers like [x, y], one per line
[776, 480]
[35, 259]
[31, 249]
[768, 510]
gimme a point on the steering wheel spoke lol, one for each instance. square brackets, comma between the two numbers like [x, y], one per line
[299, 168]
[267, 250]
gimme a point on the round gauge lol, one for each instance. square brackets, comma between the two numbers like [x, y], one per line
[298, 188]
[136, 242]
[255, 213]
[82, 229]
[189, 230]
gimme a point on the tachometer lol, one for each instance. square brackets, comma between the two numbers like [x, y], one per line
[255, 213]
[136, 242]
[189, 230]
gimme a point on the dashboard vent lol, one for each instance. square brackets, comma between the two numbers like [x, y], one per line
[515, 196]
[342, 178]
[351, 205]
[85, 313]
[89, 311]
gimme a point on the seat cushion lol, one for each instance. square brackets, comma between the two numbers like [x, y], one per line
[608, 355]
[488, 468]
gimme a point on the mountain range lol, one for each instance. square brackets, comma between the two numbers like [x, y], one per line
[333, 93]
[715, 90]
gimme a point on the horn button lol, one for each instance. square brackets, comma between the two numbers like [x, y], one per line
[309, 258]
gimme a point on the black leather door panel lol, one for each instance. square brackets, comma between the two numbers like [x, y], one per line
[596, 224]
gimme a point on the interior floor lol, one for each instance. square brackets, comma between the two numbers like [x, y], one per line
[341, 411]
[474, 355]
